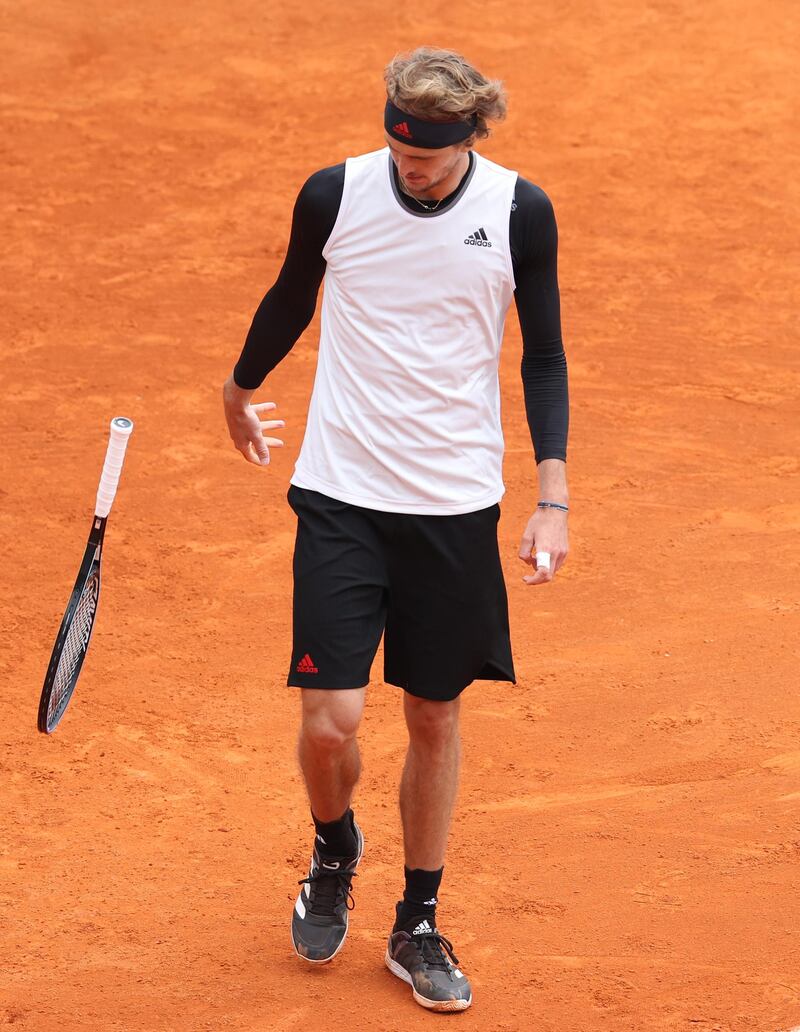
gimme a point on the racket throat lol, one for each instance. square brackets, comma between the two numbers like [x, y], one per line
[97, 534]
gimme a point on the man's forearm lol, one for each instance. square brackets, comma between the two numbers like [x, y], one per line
[552, 474]
[546, 392]
[278, 322]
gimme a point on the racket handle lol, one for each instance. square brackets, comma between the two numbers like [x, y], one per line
[121, 429]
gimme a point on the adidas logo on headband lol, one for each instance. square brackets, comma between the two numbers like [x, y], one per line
[401, 125]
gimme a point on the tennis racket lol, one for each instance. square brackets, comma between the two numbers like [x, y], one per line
[73, 636]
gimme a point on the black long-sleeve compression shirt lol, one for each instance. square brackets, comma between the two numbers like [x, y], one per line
[288, 306]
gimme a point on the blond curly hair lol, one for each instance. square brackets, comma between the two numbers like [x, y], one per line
[442, 86]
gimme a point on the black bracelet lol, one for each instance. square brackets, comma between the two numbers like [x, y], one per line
[552, 505]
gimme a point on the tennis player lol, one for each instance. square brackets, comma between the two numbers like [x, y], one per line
[422, 245]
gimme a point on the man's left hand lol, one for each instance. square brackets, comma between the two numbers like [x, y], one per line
[546, 532]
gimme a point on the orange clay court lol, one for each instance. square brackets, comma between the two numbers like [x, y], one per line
[627, 843]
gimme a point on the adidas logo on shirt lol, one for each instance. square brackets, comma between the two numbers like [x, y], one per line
[478, 238]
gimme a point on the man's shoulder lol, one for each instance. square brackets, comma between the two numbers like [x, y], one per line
[531, 199]
[533, 229]
[319, 198]
[322, 183]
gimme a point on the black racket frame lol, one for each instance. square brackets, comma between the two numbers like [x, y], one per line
[90, 567]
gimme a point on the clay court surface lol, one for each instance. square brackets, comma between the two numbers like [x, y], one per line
[626, 854]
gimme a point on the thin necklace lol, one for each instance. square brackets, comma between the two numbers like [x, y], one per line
[431, 207]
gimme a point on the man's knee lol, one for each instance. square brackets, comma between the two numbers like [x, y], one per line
[434, 724]
[330, 718]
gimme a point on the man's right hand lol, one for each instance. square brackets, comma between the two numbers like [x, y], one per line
[245, 425]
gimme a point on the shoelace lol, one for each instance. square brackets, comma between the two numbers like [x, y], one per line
[433, 947]
[331, 889]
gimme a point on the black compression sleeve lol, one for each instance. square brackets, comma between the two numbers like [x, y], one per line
[534, 252]
[289, 305]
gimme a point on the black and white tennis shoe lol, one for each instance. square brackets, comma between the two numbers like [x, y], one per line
[320, 917]
[425, 960]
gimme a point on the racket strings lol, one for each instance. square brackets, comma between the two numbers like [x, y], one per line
[74, 648]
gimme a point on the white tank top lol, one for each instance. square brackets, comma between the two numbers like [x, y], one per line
[405, 411]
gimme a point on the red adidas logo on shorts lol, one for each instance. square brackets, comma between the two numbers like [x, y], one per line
[306, 665]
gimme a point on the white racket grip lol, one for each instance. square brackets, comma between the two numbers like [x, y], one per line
[121, 430]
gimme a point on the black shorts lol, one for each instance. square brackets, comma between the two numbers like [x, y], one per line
[433, 583]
